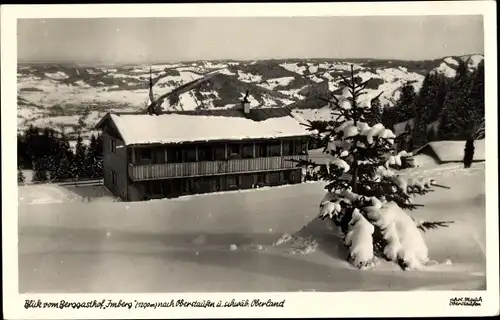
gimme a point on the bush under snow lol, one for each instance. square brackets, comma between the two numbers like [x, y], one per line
[359, 240]
[404, 242]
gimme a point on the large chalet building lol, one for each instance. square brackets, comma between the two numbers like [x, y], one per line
[151, 156]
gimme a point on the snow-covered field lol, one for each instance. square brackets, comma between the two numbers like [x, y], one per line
[224, 242]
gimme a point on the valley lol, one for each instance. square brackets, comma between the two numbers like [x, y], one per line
[72, 98]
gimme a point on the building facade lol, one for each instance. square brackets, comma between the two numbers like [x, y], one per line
[181, 153]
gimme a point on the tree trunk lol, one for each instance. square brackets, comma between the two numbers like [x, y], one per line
[355, 174]
[468, 153]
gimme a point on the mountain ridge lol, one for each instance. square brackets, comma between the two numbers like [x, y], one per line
[72, 98]
[138, 63]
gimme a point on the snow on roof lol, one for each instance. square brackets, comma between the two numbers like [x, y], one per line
[453, 151]
[176, 128]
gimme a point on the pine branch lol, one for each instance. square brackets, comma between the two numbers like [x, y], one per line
[330, 101]
[428, 225]
[440, 186]
[343, 83]
[363, 85]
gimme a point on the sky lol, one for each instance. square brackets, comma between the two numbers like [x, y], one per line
[153, 40]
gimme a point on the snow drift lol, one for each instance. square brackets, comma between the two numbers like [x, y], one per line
[203, 243]
[253, 215]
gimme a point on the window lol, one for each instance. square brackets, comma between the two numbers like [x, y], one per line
[233, 151]
[176, 186]
[261, 179]
[206, 184]
[174, 154]
[219, 183]
[291, 176]
[287, 176]
[246, 181]
[247, 151]
[190, 154]
[188, 186]
[220, 153]
[114, 178]
[298, 147]
[286, 147]
[196, 184]
[113, 145]
[156, 187]
[205, 153]
[233, 182]
[274, 149]
[260, 150]
[166, 186]
[145, 154]
[274, 178]
[158, 155]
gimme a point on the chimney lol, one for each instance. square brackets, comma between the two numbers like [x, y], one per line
[246, 104]
[246, 107]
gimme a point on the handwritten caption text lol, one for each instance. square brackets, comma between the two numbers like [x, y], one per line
[180, 303]
[466, 301]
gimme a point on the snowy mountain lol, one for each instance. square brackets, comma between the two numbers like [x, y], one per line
[71, 97]
[449, 64]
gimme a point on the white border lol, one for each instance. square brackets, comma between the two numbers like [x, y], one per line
[383, 304]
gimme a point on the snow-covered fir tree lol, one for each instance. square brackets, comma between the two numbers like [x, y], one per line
[456, 100]
[63, 155]
[376, 112]
[51, 154]
[365, 197]
[78, 164]
[405, 106]
[94, 158]
[20, 176]
[428, 107]
[40, 169]
[463, 116]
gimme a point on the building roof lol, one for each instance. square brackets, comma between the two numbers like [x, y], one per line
[453, 151]
[206, 125]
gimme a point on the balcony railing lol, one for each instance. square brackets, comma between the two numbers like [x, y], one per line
[210, 168]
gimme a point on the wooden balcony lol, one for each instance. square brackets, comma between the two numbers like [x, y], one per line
[210, 168]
